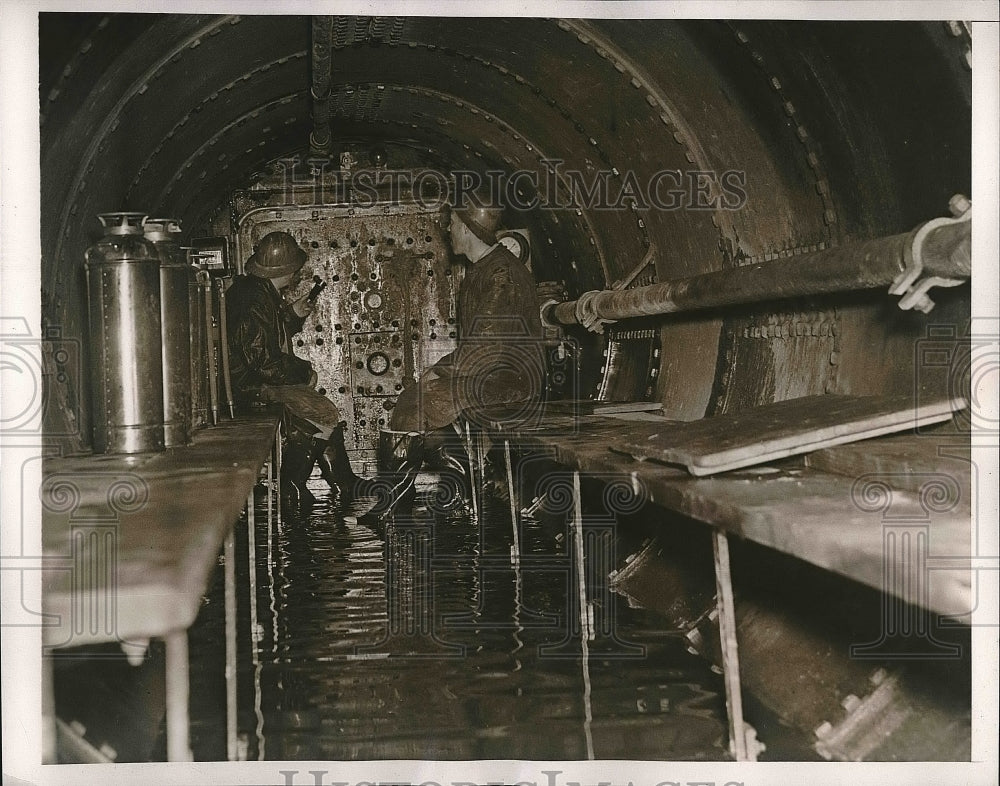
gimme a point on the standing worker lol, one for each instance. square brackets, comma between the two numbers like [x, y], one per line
[264, 370]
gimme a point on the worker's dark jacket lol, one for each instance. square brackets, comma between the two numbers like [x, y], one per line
[259, 326]
[500, 356]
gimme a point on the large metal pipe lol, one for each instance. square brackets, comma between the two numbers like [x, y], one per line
[940, 247]
[322, 37]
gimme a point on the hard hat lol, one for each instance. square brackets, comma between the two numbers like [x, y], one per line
[482, 221]
[277, 254]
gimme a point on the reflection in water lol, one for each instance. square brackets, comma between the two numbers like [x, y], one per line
[430, 640]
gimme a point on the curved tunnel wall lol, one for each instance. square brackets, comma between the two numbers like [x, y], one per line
[842, 130]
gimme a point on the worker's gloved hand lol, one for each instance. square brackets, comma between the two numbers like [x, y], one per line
[302, 307]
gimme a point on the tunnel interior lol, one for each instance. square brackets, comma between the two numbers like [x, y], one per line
[698, 146]
[705, 145]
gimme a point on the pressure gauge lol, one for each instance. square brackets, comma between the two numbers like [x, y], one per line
[373, 300]
[516, 243]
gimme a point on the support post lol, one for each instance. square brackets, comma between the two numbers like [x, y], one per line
[586, 618]
[730, 653]
[515, 549]
[178, 695]
[230, 571]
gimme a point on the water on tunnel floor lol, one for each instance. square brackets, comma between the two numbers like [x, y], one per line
[427, 639]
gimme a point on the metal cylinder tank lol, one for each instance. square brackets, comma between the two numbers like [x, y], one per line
[123, 290]
[175, 316]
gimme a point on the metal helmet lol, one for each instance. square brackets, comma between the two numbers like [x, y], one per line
[482, 221]
[277, 254]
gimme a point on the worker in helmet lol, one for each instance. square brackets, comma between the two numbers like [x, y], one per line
[264, 370]
[499, 358]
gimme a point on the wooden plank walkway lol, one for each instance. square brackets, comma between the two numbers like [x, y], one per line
[846, 521]
[130, 542]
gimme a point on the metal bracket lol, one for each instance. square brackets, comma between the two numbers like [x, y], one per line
[909, 283]
[624, 282]
[586, 313]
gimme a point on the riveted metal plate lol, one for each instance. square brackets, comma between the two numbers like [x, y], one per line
[387, 313]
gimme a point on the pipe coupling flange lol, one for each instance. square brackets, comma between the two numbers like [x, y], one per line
[911, 284]
[587, 315]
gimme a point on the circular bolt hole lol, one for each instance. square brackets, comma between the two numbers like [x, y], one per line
[432, 322]
[398, 386]
[409, 241]
[397, 363]
[354, 243]
[300, 343]
[434, 335]
[321, 391]
[359, 364]
[428, 239]
[354, 276]
[319, 328]
[340, 339]
[319, 342]
[430, 273]
[336, 326]
[378, 363]
[341, 389]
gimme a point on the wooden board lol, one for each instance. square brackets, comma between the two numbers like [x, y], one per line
[589, 407]
[907, 460]
[788, 428]
[801, 511]
[155, 523]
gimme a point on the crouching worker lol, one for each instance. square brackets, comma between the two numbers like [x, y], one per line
[499, 359]
[264, 370]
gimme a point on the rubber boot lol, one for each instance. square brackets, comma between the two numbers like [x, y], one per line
[445, 452]
[298, 458]
[335, 467]
[401, 455]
